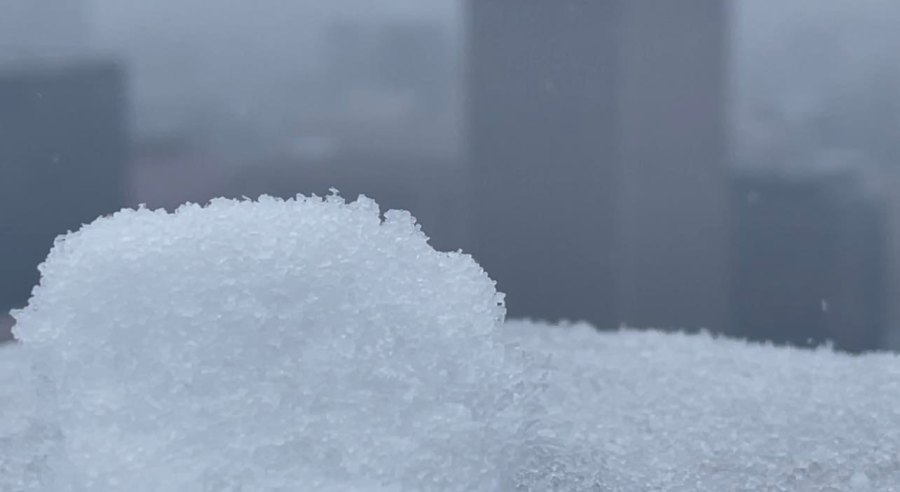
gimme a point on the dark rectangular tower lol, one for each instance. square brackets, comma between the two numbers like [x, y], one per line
[542, 142]
[63, 144]
[597, 153]
[809, 261]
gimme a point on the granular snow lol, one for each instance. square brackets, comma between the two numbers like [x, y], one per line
[310, 345]
[679, 412]
[31, 451]
[260, 345]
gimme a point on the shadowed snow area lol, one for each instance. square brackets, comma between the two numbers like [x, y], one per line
[311, 344]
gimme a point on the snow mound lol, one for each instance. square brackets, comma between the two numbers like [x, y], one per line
[274, 345]
[681, 412]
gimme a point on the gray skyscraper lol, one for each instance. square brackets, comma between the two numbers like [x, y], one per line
[63, 149]
[597, 147]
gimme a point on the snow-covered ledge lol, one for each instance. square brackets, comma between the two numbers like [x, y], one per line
[311, 344]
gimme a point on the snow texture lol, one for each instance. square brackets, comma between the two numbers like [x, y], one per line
[310, 344]
[678, 412]
[264, 345]
[29, 441]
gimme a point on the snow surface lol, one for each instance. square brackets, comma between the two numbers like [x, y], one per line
[680, 412]
[310, 345]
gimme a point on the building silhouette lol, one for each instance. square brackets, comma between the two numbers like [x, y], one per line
[63, 147]
[809, 263]
[597, 152]
[890, 180]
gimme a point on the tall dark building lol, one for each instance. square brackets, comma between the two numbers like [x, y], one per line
[63, 145]
[597, 147]
[890, 179]
[809, 261]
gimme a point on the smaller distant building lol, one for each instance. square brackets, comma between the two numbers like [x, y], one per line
[63, 149]
[890, 180]
[6, 324]
[809, 260]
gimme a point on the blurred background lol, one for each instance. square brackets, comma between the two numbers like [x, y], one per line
[727, 165]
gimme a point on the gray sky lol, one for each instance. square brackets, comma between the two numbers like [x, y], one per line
[187, 56]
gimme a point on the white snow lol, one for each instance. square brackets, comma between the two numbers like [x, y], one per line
[310, 345]
[696, 413]
[258, 346]
[29, 441]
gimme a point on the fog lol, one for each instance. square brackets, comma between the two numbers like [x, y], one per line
[707, 164]
[816, 76]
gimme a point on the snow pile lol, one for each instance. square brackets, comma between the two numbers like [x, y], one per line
[310, 345]
[30, 445]
[690, 412]
[275, 345]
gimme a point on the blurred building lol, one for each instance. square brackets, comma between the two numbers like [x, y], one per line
[890, 180]
[597, 147]
[809, 262]
[63, 147]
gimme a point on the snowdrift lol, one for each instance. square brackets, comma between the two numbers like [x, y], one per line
[313, 344]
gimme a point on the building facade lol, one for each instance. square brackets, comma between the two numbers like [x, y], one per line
[809, 263]
[63, 151]
[597, 150]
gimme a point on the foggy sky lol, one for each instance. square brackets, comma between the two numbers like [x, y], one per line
[789, 54]
[234, 60]
[241, 57]
[799, 64]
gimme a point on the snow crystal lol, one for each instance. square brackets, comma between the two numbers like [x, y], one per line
[695, 413]
[274, 345]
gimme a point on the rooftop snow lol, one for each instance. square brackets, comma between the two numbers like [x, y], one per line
[309, 343]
